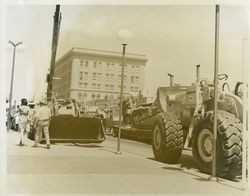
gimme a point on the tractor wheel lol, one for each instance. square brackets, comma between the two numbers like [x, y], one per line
[229, 145]
[167, 138]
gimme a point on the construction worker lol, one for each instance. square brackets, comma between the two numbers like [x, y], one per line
[42, 119]
[127, 109]
[12, 117]
[23, 118]
[16, 118]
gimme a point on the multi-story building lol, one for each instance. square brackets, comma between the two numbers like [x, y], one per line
[87, 74]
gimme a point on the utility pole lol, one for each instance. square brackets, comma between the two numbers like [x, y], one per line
[216, 67]
[55, 36]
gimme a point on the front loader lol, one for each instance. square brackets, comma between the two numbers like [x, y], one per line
[184, 117]
[67, 125]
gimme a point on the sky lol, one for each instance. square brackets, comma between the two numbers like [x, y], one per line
[174, 38]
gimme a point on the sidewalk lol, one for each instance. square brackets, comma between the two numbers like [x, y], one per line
[96, 169]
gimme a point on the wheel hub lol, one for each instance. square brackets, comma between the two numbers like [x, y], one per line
[157, 138]
[208, 145]
[205, 145]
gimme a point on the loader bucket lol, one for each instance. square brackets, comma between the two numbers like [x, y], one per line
[65, 128]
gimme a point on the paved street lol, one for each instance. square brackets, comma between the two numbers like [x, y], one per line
[96, 169]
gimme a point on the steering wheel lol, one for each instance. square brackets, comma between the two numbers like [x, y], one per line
[222, 76]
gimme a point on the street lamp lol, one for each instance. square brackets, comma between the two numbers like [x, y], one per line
[124, 36]
[12, 78]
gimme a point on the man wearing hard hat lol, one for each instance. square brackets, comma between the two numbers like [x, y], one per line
[42, 118]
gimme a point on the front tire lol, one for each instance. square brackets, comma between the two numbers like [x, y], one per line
[167, 138]
[229, 145]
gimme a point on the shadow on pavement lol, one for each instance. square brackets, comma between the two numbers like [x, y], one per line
[84, 145]
[112, 151]
[173, 168]
[186, 161]
[43, 146]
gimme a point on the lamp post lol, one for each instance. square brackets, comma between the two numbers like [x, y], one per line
[12, 78]
[216, 67]
[124, 36]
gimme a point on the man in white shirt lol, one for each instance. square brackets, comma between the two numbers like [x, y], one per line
[42, 118]
[23, 118]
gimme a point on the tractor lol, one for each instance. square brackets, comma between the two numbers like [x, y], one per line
[185, 119]
[182, 117]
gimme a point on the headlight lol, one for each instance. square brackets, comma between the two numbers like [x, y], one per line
[229, 105]
[221, 96]
[203, 83]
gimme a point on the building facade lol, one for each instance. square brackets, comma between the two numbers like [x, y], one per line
[87, 75]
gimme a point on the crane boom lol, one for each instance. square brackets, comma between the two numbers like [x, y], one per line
[55, 36]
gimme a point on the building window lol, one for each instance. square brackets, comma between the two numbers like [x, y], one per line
[81, 74]
[93, 96]
[98, 96]
[79, 95]
[106, 97]
[85, 85]
[86, 63]
[111, 96]
[94, 76]
[94, 65]
[132, 79]
[81, 63]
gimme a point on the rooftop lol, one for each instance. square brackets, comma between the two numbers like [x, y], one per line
[76, 50]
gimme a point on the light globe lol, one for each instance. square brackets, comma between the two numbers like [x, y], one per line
[124, 36]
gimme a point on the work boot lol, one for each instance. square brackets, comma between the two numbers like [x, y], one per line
[48, 146]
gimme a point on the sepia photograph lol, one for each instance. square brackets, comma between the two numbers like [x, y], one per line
[124, 97]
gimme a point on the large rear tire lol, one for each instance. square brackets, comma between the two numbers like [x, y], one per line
[167, 138]
[229, 145]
